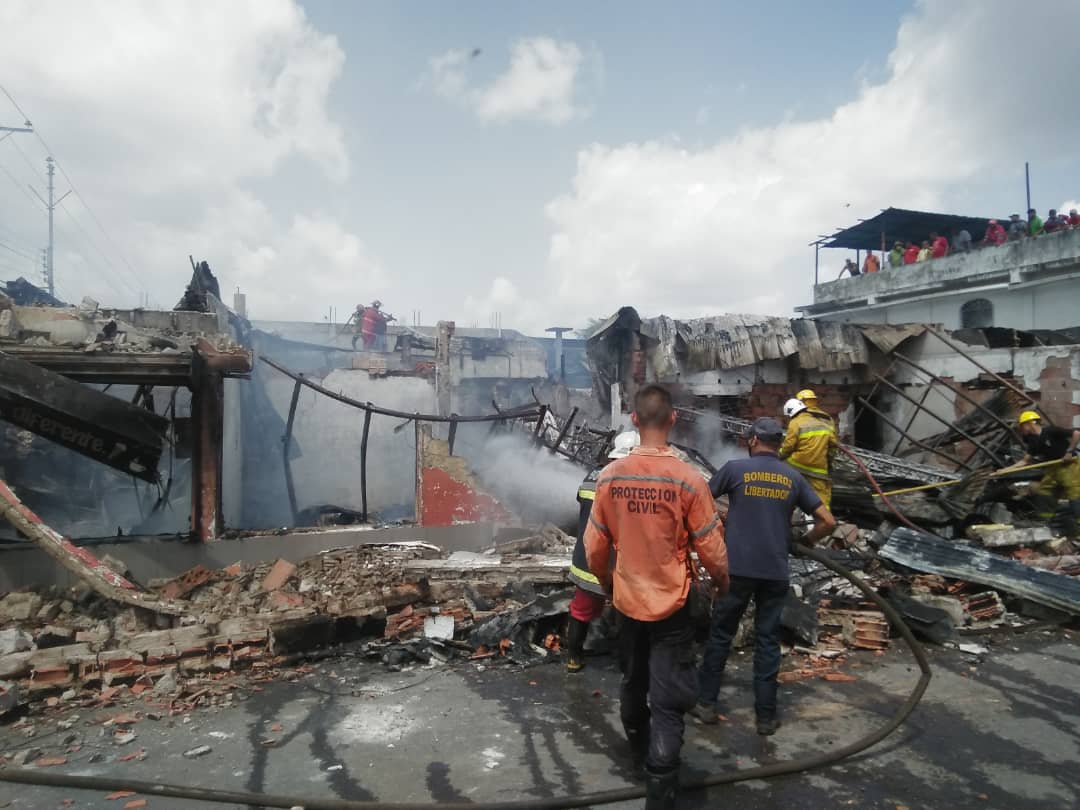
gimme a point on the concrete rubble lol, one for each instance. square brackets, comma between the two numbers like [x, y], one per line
[409, 594]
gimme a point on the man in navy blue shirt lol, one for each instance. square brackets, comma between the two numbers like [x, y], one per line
[763, 492]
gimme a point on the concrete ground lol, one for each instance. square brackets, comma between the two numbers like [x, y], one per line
[1002, 732]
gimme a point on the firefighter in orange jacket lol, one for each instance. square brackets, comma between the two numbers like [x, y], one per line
[810, 439]
[651, 508]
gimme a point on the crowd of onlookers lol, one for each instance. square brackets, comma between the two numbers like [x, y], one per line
[997, 233]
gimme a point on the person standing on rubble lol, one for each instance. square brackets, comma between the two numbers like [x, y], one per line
[589, 596]
[809, 442]
[1049, 443]
[356, 321]
[373, 326]
[762, 494]
[651, 508]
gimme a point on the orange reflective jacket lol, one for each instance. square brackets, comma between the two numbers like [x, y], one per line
[651, 507]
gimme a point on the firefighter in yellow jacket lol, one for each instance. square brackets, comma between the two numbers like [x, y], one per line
[811, 436]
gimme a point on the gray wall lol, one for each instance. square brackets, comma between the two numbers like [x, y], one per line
[1053, 305]
[328, 435]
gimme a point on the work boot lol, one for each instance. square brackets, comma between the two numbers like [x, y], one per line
[767, 726]
[704, 713]
[575, 644]
[660, 789]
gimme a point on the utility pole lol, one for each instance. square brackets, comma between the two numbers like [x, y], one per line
[50, 168]
[1027, 185]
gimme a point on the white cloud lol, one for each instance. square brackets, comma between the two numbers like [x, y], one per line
[539, 84]
[502, 300]
[725, 227]
[166, 116]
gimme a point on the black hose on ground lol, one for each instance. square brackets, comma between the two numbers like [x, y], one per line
[28, 776]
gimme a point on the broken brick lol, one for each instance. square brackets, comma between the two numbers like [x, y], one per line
[285, 601]
[279, 575]
[838, 677]
[48, 762]
[187, 582]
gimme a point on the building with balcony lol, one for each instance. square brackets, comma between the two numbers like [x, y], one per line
[1032, 284]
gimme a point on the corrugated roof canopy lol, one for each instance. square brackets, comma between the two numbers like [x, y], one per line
[904, 225]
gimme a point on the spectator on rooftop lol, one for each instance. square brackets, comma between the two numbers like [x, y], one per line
[872, 264]
[850, 268]
[1074, 218]
[1052, 224]
[1035, 224]
[961, 242]
[896, 255]
[995, 234]
[911, 255]
[939, 246]
[1017, 228]
[924, 253]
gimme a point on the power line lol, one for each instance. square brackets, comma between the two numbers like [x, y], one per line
[89, 240]
[106, 271]
[75, 190]
[18, 252]
[22, 187]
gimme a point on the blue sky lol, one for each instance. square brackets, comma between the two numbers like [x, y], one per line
[676, 158]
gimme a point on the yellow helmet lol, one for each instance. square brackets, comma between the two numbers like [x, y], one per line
[1028, 416]
[805, 394]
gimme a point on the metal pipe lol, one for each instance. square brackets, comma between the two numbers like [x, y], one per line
[1027, 183]
[516, 413]
[286, 442]
[363, 465]
[873, 391]
[453, 435]
[893, 387]
[564, 431]
[540, 423]
[957, 391]
[916, 442]
[911, 421]
[995, 474]
[952, 345]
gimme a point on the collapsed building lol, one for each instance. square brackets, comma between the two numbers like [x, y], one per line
[400, 494]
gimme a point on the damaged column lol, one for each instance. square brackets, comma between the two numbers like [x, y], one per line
[208, 369]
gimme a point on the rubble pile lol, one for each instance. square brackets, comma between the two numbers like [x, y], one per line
[61, 641]
[1025, 569]
[92, 329]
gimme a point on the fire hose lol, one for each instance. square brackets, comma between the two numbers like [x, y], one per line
[27, 776]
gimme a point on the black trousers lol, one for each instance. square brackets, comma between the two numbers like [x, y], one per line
[659, 685]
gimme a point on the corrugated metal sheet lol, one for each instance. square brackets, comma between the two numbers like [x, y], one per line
[829, 345]
[734, 341]
[887, 336]
[723, 341]
[926, 552]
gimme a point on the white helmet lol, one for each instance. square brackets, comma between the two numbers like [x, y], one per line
[793, 406]
[624, 443]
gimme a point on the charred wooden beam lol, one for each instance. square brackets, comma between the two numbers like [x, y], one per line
[90, 422]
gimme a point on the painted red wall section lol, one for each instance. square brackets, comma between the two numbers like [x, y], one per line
[445, 501]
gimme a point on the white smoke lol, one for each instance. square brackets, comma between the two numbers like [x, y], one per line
[531, 481]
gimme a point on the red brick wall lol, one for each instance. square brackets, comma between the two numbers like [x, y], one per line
[767, 399]
[1057, 389]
